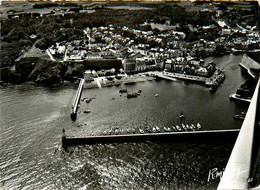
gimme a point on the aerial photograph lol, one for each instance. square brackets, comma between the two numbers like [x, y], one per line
[129, 94]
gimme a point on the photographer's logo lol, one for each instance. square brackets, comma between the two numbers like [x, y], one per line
[234, 171]
[215, 173]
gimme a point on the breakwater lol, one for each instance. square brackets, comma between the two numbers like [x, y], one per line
[173, 136]
[74, 108]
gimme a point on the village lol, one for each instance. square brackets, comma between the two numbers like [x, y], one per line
[156, 43]
[167, 50]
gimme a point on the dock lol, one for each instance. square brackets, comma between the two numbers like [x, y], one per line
[214, 80]
[230, 134]
[74, 108]
[174, 76]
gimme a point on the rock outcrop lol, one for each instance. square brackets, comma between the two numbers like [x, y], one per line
[74, 71]
[47, 73]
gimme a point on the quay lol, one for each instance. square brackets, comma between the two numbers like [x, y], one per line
[169, 76]
[74, 108]
[214, 80]
[230, 134]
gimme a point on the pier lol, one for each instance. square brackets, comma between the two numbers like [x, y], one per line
[214, 80]
[230, 134]
[74, 108]
[174, 76]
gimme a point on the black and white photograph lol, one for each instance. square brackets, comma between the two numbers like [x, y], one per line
[129, 94]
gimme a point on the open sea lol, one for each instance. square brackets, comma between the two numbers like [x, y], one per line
[32, 119]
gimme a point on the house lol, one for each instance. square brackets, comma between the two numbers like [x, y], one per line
[168, 65]
[140, 64]
[88, 76]
[129, 65]
[202, 72]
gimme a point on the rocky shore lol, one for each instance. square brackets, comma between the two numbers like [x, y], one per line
[42, 72]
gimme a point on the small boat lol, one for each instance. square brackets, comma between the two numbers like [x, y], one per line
[131, 95]
[157, 129]
[88, 100]
[133, 130]
[154, 129]
[123, 90]
[178, 128]
[104, 132]
[192, 127]
[80, 125]
[156, 95]
[169, 129]
[181, 116]
[188, 127]
[148, 129]
[141, 131]
[198, 125]
[140, 90]
[110, 132]
[116, 131]
[86, 111]
[173, 128]
[238, 117]
[184, 126]
[165, 129]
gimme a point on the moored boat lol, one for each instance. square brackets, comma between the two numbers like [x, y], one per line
[198, 125]
[192, 127]
[181, 116]
[131, 95]
[178, 128]
[184, 126]
[141, 131]
[123, 90]
[240, 116]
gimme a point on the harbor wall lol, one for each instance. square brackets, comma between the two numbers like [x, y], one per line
[168, 136]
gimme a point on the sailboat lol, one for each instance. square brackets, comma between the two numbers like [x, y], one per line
[141, 130]
[87, 110]
[183, 126]
[178, 128]
[192, 127]
[198, 125]
[133, 129]
[181, 116]
[188, 127]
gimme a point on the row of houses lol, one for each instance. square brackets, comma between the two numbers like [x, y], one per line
[177, 65]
